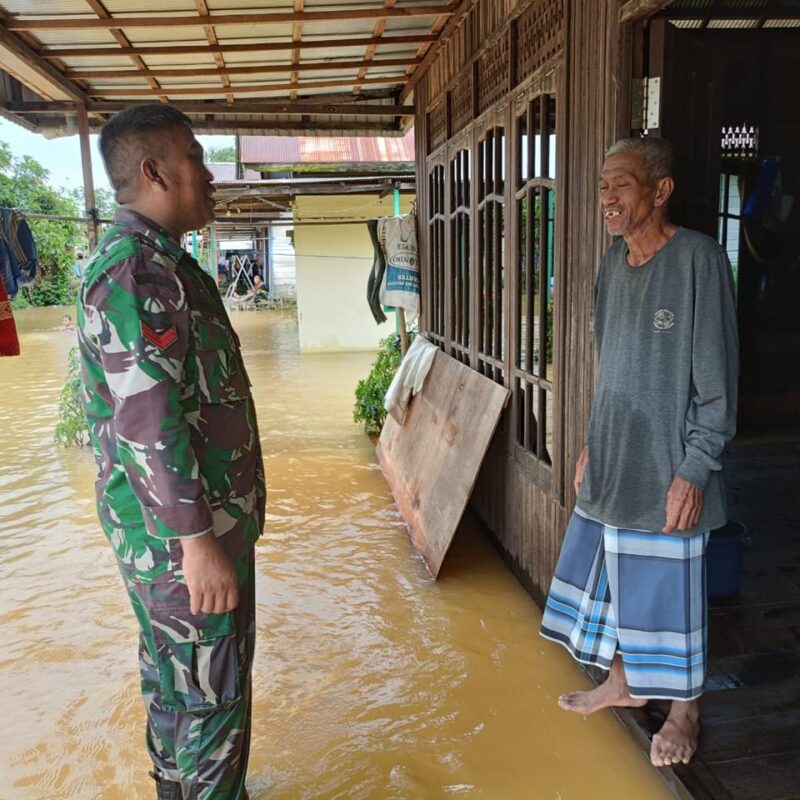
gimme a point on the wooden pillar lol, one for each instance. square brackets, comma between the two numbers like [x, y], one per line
[88, 180]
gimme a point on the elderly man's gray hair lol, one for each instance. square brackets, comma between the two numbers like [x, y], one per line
[655, 152]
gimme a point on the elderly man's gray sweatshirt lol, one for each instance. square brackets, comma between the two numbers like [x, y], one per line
[665, 397]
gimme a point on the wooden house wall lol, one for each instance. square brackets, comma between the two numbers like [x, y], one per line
[501, 55]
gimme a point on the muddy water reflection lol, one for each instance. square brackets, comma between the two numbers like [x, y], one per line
[371, 681]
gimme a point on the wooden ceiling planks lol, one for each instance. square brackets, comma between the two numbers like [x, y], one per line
[210, 31]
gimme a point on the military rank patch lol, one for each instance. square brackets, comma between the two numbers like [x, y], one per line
[161, 339]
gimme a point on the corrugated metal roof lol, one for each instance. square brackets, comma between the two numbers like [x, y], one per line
[326, 149]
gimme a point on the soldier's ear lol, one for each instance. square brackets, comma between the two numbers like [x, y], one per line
[150, 171]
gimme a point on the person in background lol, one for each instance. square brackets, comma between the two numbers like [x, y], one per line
[66, 324]
[628, 593]
[258, 292]
[180, 489]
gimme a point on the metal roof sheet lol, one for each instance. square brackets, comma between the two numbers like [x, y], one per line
[325, 149]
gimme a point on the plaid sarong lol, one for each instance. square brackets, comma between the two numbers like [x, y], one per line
[638, 592]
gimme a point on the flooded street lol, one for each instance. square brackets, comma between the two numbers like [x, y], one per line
[370, 681]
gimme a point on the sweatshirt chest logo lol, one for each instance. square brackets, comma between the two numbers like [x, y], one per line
[663, 320]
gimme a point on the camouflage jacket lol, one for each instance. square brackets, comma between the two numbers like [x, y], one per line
[167, 398]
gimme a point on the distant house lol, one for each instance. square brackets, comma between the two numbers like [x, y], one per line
[325, 188]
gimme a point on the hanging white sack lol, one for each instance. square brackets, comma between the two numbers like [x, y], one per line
[400, 286]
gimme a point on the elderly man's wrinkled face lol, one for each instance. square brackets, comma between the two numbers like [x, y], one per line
[627, 201]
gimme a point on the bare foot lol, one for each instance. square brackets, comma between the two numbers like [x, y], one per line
[613, 692]
[603, 696]
[676, 742]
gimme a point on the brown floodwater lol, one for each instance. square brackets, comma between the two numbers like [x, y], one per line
[370, 681]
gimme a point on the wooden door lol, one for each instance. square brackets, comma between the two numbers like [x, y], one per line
[690, 116]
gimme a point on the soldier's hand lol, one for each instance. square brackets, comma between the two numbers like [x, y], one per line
[684, 504]
[210, 577]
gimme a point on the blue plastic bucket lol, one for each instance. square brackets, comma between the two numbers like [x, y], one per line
[724, 559]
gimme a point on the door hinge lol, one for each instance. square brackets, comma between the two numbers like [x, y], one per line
[645, 104]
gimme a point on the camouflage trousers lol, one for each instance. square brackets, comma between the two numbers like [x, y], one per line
[195, 677]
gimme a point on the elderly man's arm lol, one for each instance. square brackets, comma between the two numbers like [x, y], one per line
[711, 417]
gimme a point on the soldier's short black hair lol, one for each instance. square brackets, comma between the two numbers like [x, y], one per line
[133, 135]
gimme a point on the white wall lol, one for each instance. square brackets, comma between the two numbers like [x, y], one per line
[282, 262]
[333, 264]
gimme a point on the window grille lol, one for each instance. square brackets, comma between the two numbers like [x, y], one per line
[436, 251]
[729, 219]
[460, 230]
[490, 326]
[535, 208]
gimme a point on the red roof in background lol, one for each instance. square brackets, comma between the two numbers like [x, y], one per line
[326, 149]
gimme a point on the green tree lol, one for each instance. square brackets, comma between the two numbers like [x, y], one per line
[24, 184]
[225, 154]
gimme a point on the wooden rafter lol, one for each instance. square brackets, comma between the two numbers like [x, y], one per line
[245, 89]
[102, 13]
[250, 69]
[48, 71]
[262, 108]
[260, 47]
[211, 38]
[369, 53]
[297, 36]
[262, 18]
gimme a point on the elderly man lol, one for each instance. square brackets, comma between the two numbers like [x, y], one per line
[628, 593]
[180, 489]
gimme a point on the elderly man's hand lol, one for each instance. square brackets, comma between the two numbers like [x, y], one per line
[684, 504]
[209, 575]
[580, 468]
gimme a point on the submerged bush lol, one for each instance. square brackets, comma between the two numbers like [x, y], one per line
[72, 429]
[371, 391]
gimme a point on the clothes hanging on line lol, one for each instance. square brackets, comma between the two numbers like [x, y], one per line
[395, 272]
[376, 274]
[9, 342]
[18, 258]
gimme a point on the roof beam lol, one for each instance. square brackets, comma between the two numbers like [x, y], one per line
[259, 47]
[18, 48]
[102, 12]
[297, 36]
[202, 107]
[75, 23]
[211, 38]
[635, 10]
[253, 69]
[369, 53]
[184, 91]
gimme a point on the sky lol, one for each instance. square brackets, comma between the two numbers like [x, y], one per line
[62, 157]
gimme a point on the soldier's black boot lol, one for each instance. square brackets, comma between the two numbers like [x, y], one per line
[166, 790]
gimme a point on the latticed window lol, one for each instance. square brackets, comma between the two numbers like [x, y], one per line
[460, 175]
[490, 325]
[535, 207]
[436, 251]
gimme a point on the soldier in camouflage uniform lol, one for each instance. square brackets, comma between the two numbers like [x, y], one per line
[181, 489]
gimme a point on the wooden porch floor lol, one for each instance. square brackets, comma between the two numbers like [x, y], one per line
[750, 739]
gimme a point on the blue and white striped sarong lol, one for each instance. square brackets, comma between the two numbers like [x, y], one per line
[640, 593]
